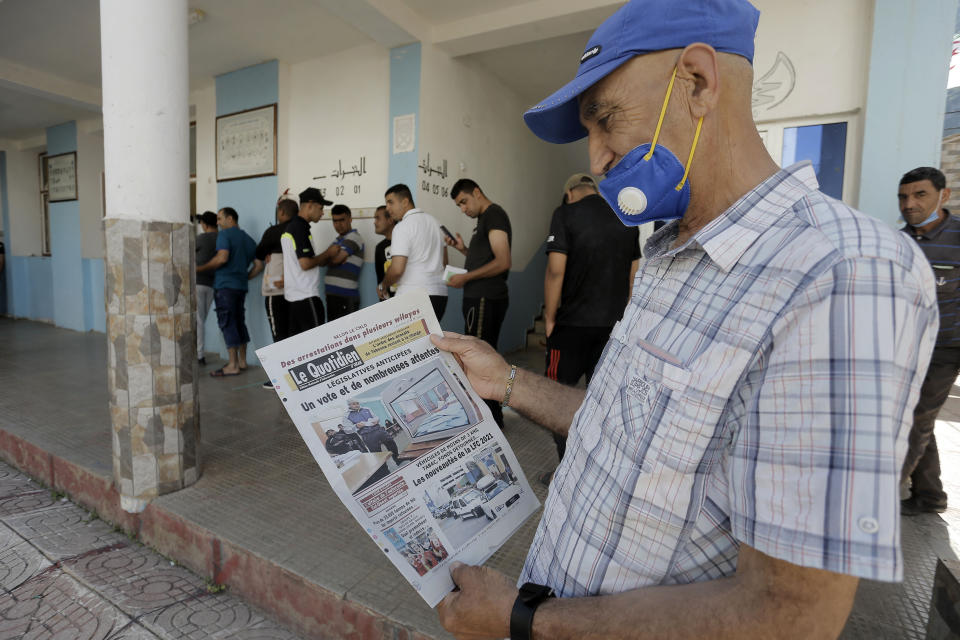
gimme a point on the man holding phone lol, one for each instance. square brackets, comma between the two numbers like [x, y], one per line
[485, 295]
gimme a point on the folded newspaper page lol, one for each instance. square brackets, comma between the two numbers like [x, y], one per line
[403, 439]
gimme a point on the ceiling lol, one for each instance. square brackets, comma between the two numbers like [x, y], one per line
[50, 49]
[536, 69]
[441, 11]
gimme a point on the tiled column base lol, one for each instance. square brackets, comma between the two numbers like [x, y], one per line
[152, 361]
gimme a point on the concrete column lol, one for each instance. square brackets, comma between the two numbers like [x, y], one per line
[150, 241]
[906, 95]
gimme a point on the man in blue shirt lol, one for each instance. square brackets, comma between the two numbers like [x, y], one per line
[235, 252]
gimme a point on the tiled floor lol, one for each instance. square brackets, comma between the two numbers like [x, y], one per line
[261, 489]
[64, 573]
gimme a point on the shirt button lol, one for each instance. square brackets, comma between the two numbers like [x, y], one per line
[868, 525]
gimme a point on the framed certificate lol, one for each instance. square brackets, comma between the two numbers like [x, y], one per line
[62, 177]
[247, 144]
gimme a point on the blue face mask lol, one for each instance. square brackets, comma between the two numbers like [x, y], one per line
[649, 183]
[935, 214]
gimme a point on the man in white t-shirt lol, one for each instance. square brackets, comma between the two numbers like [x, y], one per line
[419, 252]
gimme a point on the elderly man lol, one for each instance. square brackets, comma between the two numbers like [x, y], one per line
[733, 466]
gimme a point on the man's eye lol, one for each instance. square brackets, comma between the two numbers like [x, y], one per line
[604, 122]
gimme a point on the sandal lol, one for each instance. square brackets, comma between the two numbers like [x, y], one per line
[220, 373]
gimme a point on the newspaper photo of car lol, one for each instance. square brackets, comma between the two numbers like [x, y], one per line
[472, 496]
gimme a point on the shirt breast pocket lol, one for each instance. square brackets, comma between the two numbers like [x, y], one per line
[947, 278]
[648, 404]
[672, 411]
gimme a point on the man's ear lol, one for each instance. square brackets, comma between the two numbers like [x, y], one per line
[946, 195]
[698, 66]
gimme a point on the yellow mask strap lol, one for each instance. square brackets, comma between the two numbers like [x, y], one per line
[686, 168]
[663, 112]
[656, 133]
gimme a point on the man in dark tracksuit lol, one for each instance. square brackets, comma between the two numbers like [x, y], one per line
[922, 194]
[591, 259]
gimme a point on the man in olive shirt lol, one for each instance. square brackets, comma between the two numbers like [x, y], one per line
[922, 194]
[485, 296]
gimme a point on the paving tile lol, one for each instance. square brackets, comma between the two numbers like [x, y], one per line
[133, 631]
[202, 616]
[55, 606]
[213, 616]
[29, 501]
[136, 579]
[12, 483]
[64, 530]
[19, 560]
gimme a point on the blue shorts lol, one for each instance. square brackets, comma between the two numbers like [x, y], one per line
[230, 316]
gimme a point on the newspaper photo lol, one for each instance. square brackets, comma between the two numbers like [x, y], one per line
[405, 442]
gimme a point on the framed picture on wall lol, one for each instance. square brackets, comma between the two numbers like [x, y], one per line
[62, 177]
[246, 144]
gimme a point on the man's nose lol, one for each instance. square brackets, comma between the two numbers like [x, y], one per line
[600, 154]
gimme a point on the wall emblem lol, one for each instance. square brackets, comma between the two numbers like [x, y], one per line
[775, 85]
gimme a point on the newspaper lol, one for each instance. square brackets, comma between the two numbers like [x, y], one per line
[406, 443]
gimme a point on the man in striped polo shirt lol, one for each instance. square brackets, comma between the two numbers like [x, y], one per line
[922, 194]
[343, 273]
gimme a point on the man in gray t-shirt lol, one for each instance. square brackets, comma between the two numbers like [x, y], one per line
[206, 249]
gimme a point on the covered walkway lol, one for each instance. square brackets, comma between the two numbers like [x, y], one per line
[263, 520]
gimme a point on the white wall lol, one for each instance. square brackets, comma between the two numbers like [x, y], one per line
[89, 186]
[23, 237]
[338, 109]
[828, 82]
[205, 102]
[474, 122]
[828, 43]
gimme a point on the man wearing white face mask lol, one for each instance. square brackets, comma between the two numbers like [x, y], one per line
[732, 468]
[922, 194]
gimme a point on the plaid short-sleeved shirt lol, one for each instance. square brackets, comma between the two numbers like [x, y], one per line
[758, 390]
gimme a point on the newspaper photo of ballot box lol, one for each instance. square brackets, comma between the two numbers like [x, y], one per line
[405, 442]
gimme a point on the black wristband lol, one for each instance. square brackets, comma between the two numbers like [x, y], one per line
[521, 616]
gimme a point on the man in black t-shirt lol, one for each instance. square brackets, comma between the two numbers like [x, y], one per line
[270, 252]
[591, 260]
[382, 225]
[206, 248]
[485, 298]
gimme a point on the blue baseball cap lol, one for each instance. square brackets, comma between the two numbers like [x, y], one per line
[639, 27]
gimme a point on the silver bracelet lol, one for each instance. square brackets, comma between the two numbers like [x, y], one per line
[506, 395]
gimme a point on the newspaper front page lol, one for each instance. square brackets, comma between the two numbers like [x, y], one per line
[403, 439]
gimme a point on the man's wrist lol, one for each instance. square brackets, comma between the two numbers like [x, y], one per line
[525, 606]
[508, 390]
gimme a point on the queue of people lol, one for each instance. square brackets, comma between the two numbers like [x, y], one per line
[412, 255]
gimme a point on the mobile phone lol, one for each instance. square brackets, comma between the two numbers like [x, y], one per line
[447, 233]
